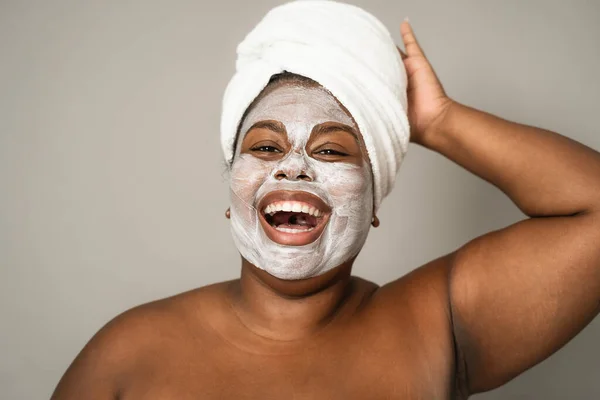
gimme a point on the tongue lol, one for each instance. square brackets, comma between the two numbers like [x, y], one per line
[293, 219]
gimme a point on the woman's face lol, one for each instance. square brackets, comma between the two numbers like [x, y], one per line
[301, 184]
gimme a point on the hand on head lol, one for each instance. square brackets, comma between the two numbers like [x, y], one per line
[427, 100]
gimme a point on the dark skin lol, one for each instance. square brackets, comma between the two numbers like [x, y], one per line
[328, 142]
[464, 323]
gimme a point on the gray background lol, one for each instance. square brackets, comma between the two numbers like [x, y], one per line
[112, 186]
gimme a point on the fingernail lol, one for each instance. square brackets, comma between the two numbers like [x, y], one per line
[406, 20]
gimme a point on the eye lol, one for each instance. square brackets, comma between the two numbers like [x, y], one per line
[331, 152]
[266, 149]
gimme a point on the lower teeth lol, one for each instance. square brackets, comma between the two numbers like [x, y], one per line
[289, 230]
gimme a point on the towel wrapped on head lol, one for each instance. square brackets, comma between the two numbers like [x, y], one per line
[347, 51]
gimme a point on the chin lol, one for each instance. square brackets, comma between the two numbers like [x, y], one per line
[294, 273]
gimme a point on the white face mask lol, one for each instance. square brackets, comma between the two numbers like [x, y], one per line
[346, 189]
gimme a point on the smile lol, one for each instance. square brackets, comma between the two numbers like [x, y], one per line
[293, 218]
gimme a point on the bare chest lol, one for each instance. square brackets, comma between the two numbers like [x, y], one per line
[330, 373]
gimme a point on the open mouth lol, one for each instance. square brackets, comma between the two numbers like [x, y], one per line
[293, 218]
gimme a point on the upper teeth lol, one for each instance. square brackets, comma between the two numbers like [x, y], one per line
[292, 206]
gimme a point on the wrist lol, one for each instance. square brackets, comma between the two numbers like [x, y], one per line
[435, 130]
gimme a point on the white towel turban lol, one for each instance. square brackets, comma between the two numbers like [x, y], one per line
[346, 50]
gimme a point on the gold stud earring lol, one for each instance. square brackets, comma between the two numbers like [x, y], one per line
[375, 221]
[228, 214]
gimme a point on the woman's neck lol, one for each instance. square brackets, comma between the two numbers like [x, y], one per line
[289, 310]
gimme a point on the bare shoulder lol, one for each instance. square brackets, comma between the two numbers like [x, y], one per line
[124, 345]
[425, 288]
[419, 304]
[412, 317]
[415, 306]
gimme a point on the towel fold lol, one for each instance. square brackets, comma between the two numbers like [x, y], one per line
[346, 50]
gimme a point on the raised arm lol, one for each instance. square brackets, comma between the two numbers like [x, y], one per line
[520, 293]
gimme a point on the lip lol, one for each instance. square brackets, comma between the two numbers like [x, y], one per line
[294, 239]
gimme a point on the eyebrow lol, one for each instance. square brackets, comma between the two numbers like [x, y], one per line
[274, 126]
[323, 129]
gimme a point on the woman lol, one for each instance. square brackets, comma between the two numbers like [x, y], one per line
[304, 189]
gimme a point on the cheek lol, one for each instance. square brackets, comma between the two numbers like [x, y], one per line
[348, 182]
[247, 175]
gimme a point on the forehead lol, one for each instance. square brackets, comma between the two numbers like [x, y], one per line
[295, 104]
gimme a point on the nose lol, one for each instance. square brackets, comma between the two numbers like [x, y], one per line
[294, 168]
[301, 176]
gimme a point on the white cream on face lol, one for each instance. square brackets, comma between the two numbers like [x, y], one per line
[347, 188]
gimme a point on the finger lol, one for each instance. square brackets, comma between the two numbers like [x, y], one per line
[402, 54]
[410, 41]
